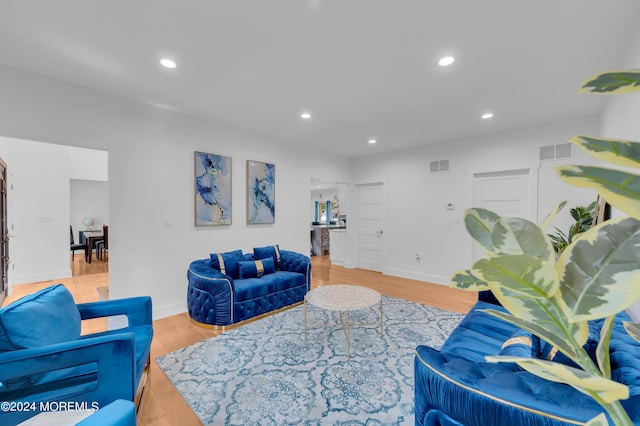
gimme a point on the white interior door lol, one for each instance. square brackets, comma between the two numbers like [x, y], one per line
[370, 226]
[505, 192]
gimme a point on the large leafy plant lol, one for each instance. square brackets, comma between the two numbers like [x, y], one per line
[596, 276]
[583, 217]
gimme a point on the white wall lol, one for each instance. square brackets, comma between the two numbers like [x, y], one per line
[620, 118]
[152, 238]
[89, 198]
[38, 203]
[416, 221]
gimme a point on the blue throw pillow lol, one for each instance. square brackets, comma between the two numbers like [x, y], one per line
[46, 317]
[43, 318]
[268, 251]
[551, 353]
[227, 263]
[256, 268]
[521, 343]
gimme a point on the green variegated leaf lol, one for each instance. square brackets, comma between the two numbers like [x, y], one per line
[602, 350]
[610, 82]
[542, 325]
[480, 223]
[599, 420]
[619, 188]
[605, 389]
[522, 274]
[614, 151]
[600, 271]
[547, 220]
[465, 280]
[512, 235]
[633, 328]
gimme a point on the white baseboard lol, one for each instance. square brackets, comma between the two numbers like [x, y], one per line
[435, 279]
[169, 310]
[349, 264]
[44, 276]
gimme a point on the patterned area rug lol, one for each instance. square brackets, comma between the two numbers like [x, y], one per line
[267, 373]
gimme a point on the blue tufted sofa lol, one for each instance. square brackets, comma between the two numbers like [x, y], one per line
[225, 297]
[455, 386]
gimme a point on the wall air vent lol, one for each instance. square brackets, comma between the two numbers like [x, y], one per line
[439, 166]
[564, 150]
[547, 152]
[553, 152]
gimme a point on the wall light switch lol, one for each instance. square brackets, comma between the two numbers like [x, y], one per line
[449, 206]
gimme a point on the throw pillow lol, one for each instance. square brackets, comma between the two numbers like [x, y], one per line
[256, 269]
[268, 251]
[521, 343]
[227, 263]
[551, 353]
[46, 317]
[43, 318]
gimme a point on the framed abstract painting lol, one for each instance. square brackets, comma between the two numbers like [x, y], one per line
[212, 189]
[261, 192]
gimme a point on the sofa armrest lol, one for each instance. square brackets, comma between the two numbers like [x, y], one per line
[138, 310]
[481, 393]
[93, 370]
[295, 262]
[210, 294]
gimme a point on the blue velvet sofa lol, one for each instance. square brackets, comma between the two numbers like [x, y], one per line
[228, 288]
[45, 361]
[455, 386]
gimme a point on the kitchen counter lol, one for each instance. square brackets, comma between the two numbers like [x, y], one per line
[324, 225]
[320, 239]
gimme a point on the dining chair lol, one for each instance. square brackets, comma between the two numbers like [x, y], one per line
[103, 245]
[75, 246]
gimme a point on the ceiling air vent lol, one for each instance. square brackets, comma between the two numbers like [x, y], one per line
[439, 166]
[553, 152]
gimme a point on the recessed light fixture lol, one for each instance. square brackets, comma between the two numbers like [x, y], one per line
[487, 115]
[167, 63]
[446, 61]
[305, 115]
[372, 141]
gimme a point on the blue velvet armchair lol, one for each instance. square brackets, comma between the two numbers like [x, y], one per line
[44, 361]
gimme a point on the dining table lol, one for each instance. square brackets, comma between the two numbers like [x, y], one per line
[91, 237]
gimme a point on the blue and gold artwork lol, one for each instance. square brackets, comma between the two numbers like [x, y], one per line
[261, 191]
[213, 189]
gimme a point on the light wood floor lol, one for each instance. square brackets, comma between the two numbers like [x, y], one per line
[161, 403]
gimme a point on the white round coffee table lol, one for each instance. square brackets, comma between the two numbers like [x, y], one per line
[343, 298]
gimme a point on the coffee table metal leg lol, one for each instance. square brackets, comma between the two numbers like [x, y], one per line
[348, 333]
[305, 317]
[381, 317]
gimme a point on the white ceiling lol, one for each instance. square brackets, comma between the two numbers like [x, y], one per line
[363, 68]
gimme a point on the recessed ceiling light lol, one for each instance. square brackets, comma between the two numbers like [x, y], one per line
[487, 115]
[372, 141]
[167, 63]
[305, 115]
[446, 61]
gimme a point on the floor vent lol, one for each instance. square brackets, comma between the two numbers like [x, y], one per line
[439, 166]
[553, 152]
